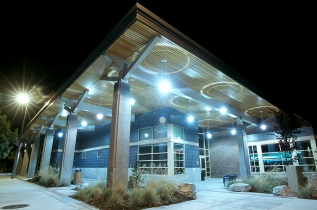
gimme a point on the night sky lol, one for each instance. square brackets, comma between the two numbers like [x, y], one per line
[271, 45]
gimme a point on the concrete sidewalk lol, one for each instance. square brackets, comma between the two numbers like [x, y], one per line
[18, 191]
[211, 194]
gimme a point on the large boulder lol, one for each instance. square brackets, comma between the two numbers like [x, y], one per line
[188, 190]
[284, 190]
[240, 187]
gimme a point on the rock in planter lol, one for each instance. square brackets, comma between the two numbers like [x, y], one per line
[188, 190]
[284, 190]
[240, 187]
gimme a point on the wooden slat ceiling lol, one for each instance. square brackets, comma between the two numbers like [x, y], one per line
[182, 68]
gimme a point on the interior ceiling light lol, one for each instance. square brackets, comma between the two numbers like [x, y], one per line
[84, 123]
[60, 134]
[100, 116]
[208, 131]
[233, 131]
[223, 110]
[190, 118]
[263, 126]
[132, 101]
[146, 135]
[164, 86]
[208, 109]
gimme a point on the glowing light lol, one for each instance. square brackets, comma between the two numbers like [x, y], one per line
[209, 135]
[84, 123]
[223, 110]
[233, 131]
[60, 134]
[99, 116]
[146, 135]
[190, 119]
[263, 127]
[164, 86]
[23, 98]
[132, 101]
[208, 109]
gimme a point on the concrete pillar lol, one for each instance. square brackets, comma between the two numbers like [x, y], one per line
[20, 160]
[66, 165]
[119, 136]
[34, 156]
[243, 150]
[26, 159]
[47, 149]
[16, 160]
[170, 158]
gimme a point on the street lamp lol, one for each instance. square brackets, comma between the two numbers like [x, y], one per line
[23, 100]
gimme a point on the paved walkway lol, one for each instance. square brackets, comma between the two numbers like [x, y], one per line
[211, 194]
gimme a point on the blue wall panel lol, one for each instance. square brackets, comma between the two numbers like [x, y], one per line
[191, 156]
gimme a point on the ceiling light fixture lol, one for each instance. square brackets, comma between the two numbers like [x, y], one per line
[99, 115]
[60, 134]
[164, 84]
[263, 126]
[233, 131]
[223, 110]
[190, 118]
[132, 101]
[208, 132]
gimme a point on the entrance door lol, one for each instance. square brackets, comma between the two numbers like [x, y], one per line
[203, 164]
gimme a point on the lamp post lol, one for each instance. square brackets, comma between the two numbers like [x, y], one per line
[23, 100]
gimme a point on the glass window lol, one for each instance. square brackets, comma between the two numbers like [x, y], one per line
[178, 132]
[145, 149]
[145, 134]
[157, 148]
[153, 158]
[179, 159]
[160, 132]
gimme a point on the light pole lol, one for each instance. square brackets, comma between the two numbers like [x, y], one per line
[23, 100]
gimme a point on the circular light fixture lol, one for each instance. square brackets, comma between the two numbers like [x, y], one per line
[208, 109]
[190, 118]
[209, 135]
[60, 134]
[146, 135]
[233, 131]
[84, 123]
[263, 127]
[223, 110]
[99, 116]
[164, 86]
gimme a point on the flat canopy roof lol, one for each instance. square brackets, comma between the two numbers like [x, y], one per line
[143, 50]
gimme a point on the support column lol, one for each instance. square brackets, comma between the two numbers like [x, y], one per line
[34, 156]
[243, 150]
[20, 160]
[16, 160]
[26, 158]
[118, 162]
[47, 149]
[66, 166]
[170, 158]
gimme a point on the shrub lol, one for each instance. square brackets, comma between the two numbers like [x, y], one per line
[46, 177]
[150, 196]
[135, 197]
[264, 183]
